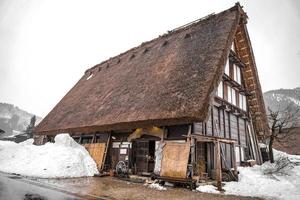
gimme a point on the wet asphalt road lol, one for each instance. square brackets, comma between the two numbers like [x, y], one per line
[14, 187]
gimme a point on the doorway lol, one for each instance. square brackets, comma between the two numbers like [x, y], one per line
[144, 151]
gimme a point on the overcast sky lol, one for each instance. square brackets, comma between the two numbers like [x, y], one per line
[46, 45]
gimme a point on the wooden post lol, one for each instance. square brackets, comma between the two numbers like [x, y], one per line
[234, 160]
[165, 134]
[218, 166]
[192, 145]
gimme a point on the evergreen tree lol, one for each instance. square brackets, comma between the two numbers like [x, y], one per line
[30, 127]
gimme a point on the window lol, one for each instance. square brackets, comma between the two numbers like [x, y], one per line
[90, 76]
[87, 139]
[227, 68]
[237, 73]
[242, 102]
[242, 154]
[231, 97]
[245, 103]
[237, 154]
[220, 90]
[229, 94]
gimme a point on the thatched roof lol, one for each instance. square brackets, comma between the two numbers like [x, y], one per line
[169, 80]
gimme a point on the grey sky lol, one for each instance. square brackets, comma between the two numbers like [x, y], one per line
[45, 46]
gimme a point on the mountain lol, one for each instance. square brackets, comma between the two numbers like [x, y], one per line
[281, 98]
[278, 100]
[14, 120]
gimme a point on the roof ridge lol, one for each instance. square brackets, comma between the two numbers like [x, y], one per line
[168, 33]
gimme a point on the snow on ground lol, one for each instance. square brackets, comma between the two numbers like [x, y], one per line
[208, 189]
[263, 181]
[62, 159]
[255, 181]
[156, 186]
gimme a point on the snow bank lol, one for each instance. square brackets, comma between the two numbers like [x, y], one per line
[208, 189]
[253, 181]
[62, 159]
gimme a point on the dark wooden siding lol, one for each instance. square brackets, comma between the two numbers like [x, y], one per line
[233, 126]
[221, 123]
[177, 132]
[198, 128]
[209, 126]
[229, 126]
[242, 133]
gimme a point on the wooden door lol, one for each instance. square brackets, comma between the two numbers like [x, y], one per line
[200, 158]
[141, 156]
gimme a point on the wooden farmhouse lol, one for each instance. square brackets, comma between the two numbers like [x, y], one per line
[183, 106]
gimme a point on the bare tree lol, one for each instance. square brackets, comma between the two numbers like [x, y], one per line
[281, 122]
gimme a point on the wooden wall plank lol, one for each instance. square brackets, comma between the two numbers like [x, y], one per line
[96, 150]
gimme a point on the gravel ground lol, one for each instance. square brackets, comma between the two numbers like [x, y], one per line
[113, 188]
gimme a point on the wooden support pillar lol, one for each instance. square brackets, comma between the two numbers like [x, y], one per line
[80, 139]
[94, 138]
[192, 145]
[234, 160]
[218, 165]
[165, 135]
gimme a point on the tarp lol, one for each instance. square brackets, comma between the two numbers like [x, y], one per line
[158, 156]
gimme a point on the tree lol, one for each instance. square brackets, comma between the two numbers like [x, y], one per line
[281, 123]
[29, 129]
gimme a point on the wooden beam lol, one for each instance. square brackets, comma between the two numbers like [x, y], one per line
[236, 60]
[207, 138]
[218, 165]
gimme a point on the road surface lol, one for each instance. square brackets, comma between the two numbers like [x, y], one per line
[14, 187]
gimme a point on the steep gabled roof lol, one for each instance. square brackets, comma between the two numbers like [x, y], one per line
[169, 80]
[252, 83]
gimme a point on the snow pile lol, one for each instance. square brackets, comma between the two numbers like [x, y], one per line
[156, 186]
[293, 158]
[62, 159]
[267, 181]
[208, 189]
